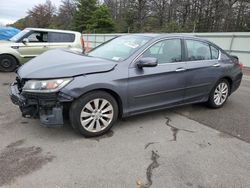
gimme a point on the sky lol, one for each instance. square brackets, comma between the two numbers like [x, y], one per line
[12, 10]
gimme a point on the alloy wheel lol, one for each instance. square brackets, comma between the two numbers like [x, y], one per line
[221, 93]
[96, 115]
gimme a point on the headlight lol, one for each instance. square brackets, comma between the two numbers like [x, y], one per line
[46, 86]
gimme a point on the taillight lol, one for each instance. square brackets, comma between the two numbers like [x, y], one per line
[237, 61]
[241, 66]
[82, 42]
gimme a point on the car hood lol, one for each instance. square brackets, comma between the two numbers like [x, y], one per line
[4, 43]
[62, 63]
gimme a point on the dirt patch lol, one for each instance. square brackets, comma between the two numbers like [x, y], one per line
[16, 161]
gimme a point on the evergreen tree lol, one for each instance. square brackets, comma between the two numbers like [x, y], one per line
[83, 15]
[101, 21]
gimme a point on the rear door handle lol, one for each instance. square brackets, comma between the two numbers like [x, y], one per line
[216, 65]
[180, 69]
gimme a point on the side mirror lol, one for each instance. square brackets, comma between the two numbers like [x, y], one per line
[25, 40]
[147, 62]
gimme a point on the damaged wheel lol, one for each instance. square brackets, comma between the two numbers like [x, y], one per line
[94, 113]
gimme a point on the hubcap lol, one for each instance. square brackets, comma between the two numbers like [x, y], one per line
[220, 93]
[96, 115]
[6, 63]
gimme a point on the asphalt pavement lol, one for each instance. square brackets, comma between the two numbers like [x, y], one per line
[233, 118]
[190, 146]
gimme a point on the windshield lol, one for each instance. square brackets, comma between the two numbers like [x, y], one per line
[19, 35]
[119, 48]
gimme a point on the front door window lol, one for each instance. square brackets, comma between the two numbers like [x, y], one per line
[38, 37]
[167, 51]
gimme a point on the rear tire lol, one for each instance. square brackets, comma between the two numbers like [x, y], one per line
[94, 113]
[219, 94]
[8, 63]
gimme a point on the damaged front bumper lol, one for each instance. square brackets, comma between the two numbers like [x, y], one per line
[46, 106]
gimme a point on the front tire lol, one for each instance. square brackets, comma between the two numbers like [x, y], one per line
[94, 113]
[7, 63]
[219, 94]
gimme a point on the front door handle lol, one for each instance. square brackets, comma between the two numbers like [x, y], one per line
[216, 65]
[180, 69]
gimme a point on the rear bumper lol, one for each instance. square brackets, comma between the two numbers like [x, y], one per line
[47, 107]
[236, 83]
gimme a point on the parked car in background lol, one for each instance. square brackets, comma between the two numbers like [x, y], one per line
[32, 42]
[126, 76]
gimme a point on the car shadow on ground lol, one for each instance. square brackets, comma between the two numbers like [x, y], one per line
[34, 127]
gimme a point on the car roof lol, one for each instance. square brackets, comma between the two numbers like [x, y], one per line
[153, 35]
[51, 30]
[169, 35]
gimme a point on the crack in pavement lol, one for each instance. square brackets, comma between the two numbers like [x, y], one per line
[150, 143]
[149, 172]
[175, 130]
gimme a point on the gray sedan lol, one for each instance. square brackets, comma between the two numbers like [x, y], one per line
[126, 76]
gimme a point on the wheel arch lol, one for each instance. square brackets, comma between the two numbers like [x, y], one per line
[113, 94]
[230, 81]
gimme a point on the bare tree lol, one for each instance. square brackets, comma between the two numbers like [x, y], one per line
[65, 14]
[41, 15]
[159, 10]
[148, 15]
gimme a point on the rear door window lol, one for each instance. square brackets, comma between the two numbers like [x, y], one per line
[197, 50]
[61, 37]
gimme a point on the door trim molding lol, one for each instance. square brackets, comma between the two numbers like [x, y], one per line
[172, 90]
